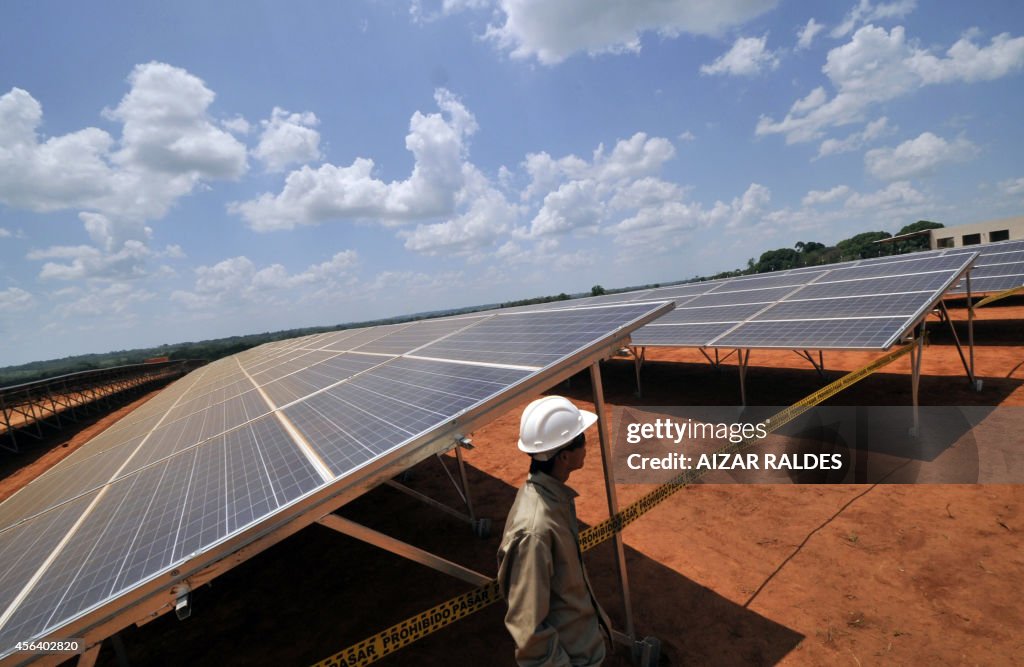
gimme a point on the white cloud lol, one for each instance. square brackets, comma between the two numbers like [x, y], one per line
[487, 215]
[167, 130]
[15, 299]
[876, 66]
[814, 99]
[900, 193]
[842, 211]
[168, 146]
[114, 299]
[553, 31]
[865, 12]
[236, 125]
[747, 57]
[237, 281]
[1012, 186]
[820, 197]
[806, 35]
[916, 157]
[575, 192]
[87, 262]
[4, 233]
[873, 130]
[687, 136]
[288, 138]
[311, 196]
[659, 226]
[61, 172]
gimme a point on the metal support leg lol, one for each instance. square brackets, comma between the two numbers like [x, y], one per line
[609, 487]
[916, 353]
[638, 364]
[743, 360]
[970, 332]
[465, 484]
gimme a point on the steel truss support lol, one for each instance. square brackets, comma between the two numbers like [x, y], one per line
[29, 407]
[968, 367]
[481, 526]
[819, 365]
[403, 549]
[717, 362]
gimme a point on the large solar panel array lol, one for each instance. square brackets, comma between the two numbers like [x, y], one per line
[222, 451]
[999, 267]
[861, 305]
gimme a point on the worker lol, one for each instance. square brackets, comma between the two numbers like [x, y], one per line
[552, 614]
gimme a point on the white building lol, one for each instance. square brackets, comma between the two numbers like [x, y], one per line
[990, 231]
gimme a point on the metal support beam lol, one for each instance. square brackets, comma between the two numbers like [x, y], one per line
[819, 365]
[638, 364]
[403, 549]
[744, 360]
[970, 331]
[609, 487]
[466, 498]
[424, 498]
[88, 657]
[915, 378]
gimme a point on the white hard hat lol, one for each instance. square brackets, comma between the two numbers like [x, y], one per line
[550, 423]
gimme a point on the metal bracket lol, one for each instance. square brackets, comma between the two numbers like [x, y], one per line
[182, 601]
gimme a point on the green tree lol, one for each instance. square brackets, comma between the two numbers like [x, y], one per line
[862, 245]
[596, 290]
[922, 242]
[777, 260]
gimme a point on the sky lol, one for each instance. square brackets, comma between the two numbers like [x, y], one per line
[191, 170]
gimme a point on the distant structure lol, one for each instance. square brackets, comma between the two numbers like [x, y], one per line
[975, 233]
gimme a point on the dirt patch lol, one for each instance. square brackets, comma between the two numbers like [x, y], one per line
[722, 574]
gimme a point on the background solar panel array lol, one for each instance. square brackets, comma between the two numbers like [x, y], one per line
[864, 304]
[211, 456]
[999, 267]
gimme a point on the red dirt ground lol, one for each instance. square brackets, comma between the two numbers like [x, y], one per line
[722, 574]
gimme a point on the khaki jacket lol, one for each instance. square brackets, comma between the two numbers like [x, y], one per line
[552, 615]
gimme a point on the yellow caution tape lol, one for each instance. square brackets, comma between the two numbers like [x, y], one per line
[1001, 295]
[425, 623]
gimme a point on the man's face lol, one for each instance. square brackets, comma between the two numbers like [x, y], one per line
[576, 457]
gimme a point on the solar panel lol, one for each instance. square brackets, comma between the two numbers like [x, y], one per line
[151, 502]
[525, 340]
[811, 334]
[999, 267]
[854, 305]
